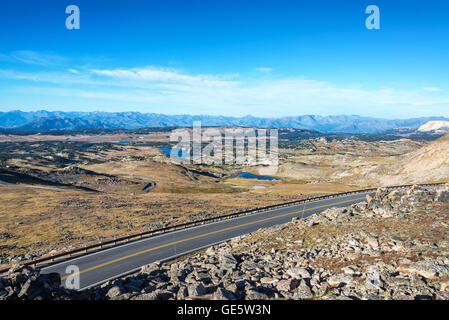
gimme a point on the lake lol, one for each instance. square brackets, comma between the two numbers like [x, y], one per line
[26, 155]
[167, 152]
[247, 175]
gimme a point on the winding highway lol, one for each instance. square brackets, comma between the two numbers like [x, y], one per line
[101, 266]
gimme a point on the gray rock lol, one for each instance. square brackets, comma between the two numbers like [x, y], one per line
[442, 295]
[320, 289]
[223, 294]
[442, 196]
[340, 279]
[182, 293]
[287, 285]
[333, 213]
[155, 295]
[426, 269]
[196, 290]
[176, 273]
[373, 297]
[255, 295]
[151, 268]
[227, 261]
[114, 292]
[41, 286]
[373, 279]
[303, 292]
[299, 272]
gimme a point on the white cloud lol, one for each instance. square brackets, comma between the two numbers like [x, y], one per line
[264, 69]
[170, 90]
[432, 89]
[166, 75]
[37, 58]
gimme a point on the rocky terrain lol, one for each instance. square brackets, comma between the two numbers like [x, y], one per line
[349, 147]
[393, 246]
[429, 163]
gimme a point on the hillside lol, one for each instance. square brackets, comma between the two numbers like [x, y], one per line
[427, 164]
[435, 127]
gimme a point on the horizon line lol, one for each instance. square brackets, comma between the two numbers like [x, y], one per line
[229, 116]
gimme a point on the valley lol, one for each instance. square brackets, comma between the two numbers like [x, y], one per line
[123, 182]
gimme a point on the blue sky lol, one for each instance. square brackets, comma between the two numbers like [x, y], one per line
[264, 58]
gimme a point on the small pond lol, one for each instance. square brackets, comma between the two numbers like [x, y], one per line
[167, 152]
[247, 175]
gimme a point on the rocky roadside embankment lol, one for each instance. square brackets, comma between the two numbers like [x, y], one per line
[393, 246]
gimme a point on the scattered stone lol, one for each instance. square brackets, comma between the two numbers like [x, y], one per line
[339, 280]
[298, 272]
[223, 294]
[303, 292]
[227, 261]
[358, 252]
[151, 268]
[196, 290]
[114, 292]
[425, 269]
[255, 295]
[287, 285]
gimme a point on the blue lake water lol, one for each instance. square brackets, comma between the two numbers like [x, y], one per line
[26, 155]
[124, 143]
[247, 175]
[167, 152]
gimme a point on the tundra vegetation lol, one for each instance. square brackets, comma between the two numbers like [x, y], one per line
[394, 245]
[65, 189]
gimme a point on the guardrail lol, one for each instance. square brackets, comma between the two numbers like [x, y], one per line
[110, 243]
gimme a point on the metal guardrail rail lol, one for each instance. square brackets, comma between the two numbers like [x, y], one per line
[120, 240]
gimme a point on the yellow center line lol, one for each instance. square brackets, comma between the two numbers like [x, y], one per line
[201, 236]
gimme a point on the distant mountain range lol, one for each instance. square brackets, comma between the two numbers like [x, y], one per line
[58, 120]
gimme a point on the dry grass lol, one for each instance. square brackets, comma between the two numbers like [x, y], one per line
[41, 221]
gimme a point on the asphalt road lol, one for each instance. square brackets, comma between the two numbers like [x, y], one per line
[98, 267]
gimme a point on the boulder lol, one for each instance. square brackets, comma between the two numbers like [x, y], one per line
[299, 272]
[152, 268]
[252, 294]
[210, 251]
[114, 292]
[223, 294]
[339, 280]
[268, 280]
[425, 268]
[227, 261]
[373, 281]
[442, 196]
[333, 213]
[287, 285]
[196, 290]
[155, 295]
[182, 293]
[303, 292]
[176, 273]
